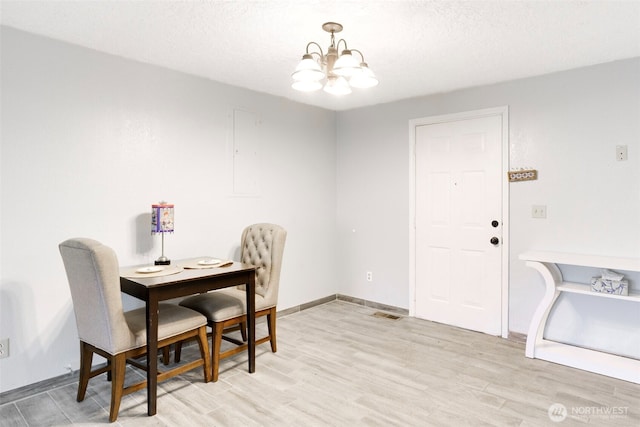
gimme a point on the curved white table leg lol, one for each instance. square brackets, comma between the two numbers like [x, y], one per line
[552, 276]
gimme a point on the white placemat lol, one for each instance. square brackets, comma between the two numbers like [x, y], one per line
[149, 271]
[206, 262]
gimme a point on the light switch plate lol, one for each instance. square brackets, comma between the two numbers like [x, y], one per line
[538, 211]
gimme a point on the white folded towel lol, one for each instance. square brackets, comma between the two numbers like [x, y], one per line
[611, 275]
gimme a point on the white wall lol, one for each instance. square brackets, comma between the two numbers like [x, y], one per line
[565, 125]
[90, 141]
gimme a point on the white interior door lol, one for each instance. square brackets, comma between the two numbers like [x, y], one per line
[458, 235]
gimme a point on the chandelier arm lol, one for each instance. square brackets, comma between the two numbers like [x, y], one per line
[360, 53]
[318, 46]
[345, 45]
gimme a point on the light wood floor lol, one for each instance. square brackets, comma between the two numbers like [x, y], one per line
[338, 364]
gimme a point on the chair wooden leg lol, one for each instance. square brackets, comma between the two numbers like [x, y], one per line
[118, 367]
[177, 351]
[166, 355]
[243, 330]
[203, 343]
[86, 358]
[271, 325]
[216, 344]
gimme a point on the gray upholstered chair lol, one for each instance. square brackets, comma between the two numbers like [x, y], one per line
[106, 329]
[262, 245]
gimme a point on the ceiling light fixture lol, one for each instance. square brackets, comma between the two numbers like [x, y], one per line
[341, 71]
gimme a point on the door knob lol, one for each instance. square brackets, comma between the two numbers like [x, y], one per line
[494, 241]
[495, 223]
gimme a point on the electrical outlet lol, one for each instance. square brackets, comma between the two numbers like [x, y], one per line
[369, 276]
[621, 153]
[538, 211]
[4, 348]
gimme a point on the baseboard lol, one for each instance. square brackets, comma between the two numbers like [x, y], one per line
[39, 387]
[345, 298]
[373, 304]
[305, 306]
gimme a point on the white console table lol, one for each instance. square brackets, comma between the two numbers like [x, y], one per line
[545, 263]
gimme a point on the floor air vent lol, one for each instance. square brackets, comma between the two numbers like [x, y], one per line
[385, 315]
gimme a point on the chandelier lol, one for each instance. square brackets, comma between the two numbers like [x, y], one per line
[339, 72]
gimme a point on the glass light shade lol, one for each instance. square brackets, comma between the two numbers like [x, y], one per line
[337, 85]
[364, 78]
[346, 65]
[308, 70]
[162, 218]
[306, 86]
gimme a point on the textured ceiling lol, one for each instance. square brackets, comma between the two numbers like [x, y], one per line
[414, 47]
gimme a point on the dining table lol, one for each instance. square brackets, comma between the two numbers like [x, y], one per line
[181, 278]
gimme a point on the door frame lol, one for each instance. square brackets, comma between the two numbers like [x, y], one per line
[413, 124]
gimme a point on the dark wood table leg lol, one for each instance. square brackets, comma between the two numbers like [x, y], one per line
[251, 320]
[152, 353]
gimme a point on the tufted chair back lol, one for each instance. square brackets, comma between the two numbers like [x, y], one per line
[94, 279]
[263, 246]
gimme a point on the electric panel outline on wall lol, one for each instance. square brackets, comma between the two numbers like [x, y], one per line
[246, 153]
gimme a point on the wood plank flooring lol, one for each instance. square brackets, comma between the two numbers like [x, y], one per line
[340, 365]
